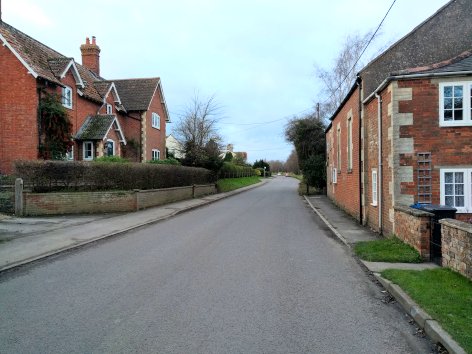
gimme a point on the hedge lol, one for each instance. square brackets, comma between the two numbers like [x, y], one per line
[230, 170]
[44, 176]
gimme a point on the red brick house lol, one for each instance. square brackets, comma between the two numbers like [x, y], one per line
[109, 117]
[402, 135]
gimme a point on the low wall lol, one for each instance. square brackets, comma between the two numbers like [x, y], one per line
[58, 203]
[413, 227]
[155, 197]
[456, 246]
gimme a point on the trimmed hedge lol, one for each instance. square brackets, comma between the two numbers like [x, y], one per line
[44, 176]
[230, 170]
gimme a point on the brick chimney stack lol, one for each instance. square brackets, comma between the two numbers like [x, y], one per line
[91, 55]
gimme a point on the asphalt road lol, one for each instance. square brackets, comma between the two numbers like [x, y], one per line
[254, 273]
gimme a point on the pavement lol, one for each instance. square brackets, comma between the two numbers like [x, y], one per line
[24, 240]
[349, 231]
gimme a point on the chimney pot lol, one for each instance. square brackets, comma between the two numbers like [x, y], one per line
[93, 40]
[87, 40]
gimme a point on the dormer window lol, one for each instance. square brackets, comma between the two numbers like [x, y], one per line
[109, 109]
[67, 97]
[156, 121]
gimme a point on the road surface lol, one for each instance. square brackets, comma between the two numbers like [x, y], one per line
[254, 273]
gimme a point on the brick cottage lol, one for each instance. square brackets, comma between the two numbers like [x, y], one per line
[124, 118]
[403, 133]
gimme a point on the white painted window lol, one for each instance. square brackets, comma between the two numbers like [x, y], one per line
[156, 154]
[334, 175]
[156, 121]
[88, 150]
[110, 148]
[109, 109]
[67, 97]
[70, 154]
[338, 149]
[455, 104]
[456, 189]
[374, 188]
[349, 144]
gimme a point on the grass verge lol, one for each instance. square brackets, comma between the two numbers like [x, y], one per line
[443, 294]
[391, 250]
[229, 184]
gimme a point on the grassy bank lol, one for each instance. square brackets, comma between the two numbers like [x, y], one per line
[444, 295]
[391, 250]
[229, 184]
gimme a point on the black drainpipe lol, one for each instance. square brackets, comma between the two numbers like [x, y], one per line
[359, 84]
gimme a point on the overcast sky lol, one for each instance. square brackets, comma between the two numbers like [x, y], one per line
[256, 56]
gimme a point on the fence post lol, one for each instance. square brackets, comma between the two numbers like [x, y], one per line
[19, 197]
[193, 191]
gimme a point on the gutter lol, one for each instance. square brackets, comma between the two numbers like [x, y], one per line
[413, 76]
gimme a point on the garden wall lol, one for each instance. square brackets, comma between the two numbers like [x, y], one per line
[58, 203]
[456, 246]
[413, 227]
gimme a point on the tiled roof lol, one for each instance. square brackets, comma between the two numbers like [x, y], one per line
[136, 94]
[58, 65]
[460, 63]
[95, 127]
[445, 34]
[46, 62]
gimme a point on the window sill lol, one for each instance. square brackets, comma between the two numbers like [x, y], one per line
[464, 123]
[349, 171]
[374, 204]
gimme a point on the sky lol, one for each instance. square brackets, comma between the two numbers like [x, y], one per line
[256, 57]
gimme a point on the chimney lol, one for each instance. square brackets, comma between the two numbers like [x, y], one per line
[91, 55]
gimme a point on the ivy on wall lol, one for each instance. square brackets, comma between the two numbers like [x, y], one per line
[55, 128]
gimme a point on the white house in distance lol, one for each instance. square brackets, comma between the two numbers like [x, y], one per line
[174, 147]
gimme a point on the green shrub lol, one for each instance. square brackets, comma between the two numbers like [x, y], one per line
[116, 159]
[168, 161]
[230, 170]
[45, 176]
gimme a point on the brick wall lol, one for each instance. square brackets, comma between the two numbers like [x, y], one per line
[18, 112]
[146, 199]
[78, 203]
[108, 202]
[449, 146]
[413, 227]
[346, 192]
[456, 246]
[155, 138]
[383, 168]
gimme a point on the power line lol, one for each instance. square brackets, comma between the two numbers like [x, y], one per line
[363, 51]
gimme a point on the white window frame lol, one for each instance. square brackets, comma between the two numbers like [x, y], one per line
[338, 149]
[109, 109]
[156, 154]
[466, 104]
[467, 208]
[67, 100]
[113, 144]
[334, 175]
[156, 120]
[349, 144]
[84, 148]
[374, 187]
[70, 154]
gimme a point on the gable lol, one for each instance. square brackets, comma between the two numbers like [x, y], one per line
[445, 34]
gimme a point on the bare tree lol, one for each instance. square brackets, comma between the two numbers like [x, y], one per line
[197, 130]
[338, 80]
[276, 165]
[291, 165]
[197, 124]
